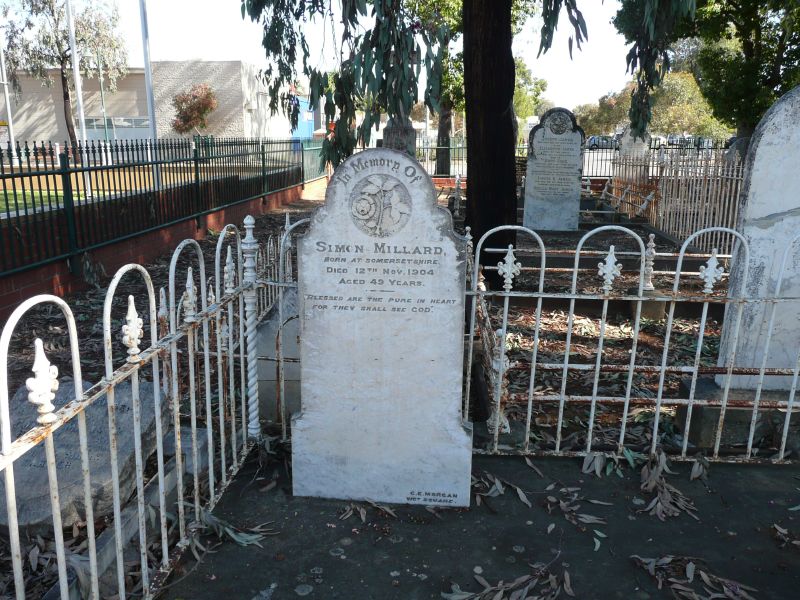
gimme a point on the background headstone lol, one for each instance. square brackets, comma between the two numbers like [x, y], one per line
[769, 219]
[630, 146]
[399, 134]
[381, 288]
[737, 151]
[553, 178]
[30, 471]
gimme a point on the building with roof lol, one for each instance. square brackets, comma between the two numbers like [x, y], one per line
[243, 104]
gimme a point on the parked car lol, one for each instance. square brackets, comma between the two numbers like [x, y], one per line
[676, 141]
[602, 141]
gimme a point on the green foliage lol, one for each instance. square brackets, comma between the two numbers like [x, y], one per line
[677, 106]
[743, 53]
[605, 117]
[449, 13]
[528, 90]
[385, 43]
[37, 41]
[588, 117]
[378, 74]
[651, 26]
[750, 56]
[544, 105]
[683, 54]
[193, 107]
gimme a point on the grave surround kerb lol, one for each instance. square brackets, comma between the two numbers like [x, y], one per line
[381, 293]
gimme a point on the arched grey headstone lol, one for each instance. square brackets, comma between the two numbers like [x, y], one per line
[769, 219]
[381, 278]
[553, 177]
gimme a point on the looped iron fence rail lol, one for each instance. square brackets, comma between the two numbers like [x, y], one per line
[192, 354]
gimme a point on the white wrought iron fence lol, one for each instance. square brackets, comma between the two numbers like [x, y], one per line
[199, 369]
[697, 194]
[680, 194]
[570, 373]
[569, 376]
[578, 361]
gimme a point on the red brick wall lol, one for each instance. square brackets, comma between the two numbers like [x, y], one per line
[449, 182]
[56, 278]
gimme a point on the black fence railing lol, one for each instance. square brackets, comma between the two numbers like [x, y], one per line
[59, 201]
[598, 156]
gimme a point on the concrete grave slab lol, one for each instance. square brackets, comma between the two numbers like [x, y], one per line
[30, 471]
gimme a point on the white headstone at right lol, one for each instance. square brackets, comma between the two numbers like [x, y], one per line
[769, 219]
[553, 178]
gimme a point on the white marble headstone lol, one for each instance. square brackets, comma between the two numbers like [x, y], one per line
[769, 219]
[553, 178]
[381, 285]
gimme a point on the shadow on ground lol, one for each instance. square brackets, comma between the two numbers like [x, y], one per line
[418, 555]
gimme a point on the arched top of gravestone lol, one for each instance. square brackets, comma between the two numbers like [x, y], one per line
[772, 179]
[381, 194]
[557, 121]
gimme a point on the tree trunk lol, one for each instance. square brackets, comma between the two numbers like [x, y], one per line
[443, 137]
[489, 95]
[744, 129]
[70, 121]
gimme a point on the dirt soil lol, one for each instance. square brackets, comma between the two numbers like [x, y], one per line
[417, 555]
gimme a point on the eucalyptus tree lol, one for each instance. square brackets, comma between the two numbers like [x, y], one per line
[38, 42]
[744, 54]
[383, 47]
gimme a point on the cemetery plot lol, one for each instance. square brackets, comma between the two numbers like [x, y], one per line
[600, 381]
[610, 387]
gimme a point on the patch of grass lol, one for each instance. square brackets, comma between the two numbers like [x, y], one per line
[30, 201]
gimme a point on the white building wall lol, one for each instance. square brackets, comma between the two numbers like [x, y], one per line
[173, 77]
[38, 112]
[243, 103]
[258, 122]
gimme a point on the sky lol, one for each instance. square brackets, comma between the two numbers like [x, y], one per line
[214, 30]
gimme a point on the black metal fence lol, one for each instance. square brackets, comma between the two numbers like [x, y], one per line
[597, 158]
[58, 201]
